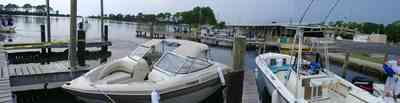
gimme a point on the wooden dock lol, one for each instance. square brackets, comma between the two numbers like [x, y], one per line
[33, 76]
[5, 88]
[250, 92]
[19, 46]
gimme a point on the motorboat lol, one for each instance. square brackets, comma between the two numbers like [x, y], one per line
[7, 29]
[178, 71]
[283, 78]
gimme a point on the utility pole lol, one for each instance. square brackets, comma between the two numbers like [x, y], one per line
[48, 24]
[73, 42]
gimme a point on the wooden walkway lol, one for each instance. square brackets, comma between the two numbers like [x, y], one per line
[33, 76]
[5, 88]
[19, 46]
[250, 92]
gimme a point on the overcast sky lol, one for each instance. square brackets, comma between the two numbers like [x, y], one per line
[243, 11]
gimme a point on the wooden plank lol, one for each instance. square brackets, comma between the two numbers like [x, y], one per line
[18, 70]
[37, 69]
[250, 91]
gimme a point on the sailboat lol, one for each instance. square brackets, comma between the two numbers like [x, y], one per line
[170, 70]
[291, 79]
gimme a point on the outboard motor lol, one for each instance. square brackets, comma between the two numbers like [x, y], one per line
[363, 83]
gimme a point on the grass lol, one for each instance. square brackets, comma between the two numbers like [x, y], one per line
[368, 57]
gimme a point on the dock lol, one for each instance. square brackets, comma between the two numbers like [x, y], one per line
[33, 76]
[250, 91]
[19, 46]
[5, 87]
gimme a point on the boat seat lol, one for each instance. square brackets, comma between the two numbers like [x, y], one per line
[124, 70]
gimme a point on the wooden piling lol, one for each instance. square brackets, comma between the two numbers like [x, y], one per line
[81, 47]
[345, 64]
[105, 37]
[43, 37]
[102, 19]
[73, 42]
[234, 91]
[152, 30]
[48, 24]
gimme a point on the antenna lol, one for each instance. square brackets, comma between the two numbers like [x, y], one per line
[330, 12]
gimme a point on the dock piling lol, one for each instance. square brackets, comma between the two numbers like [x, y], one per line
[73, 40]
[43, 36]
[345, 64]
[48, 24]
[234, 91]
[81, 47]
[105, 37]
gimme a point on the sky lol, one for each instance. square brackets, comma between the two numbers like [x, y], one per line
[248, 12]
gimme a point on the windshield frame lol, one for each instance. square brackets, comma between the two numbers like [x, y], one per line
[143, 54]
[190, 60]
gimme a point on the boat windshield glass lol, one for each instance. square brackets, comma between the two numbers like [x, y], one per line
[181, 65]
[139, 51]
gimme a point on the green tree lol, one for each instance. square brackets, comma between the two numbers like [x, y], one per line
[393, 31]
[11, 7]
[27, 7]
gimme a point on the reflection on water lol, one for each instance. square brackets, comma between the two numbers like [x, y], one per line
[121, 34]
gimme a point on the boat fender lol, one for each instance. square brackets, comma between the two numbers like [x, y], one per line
[275, 97]
[221, 76]
[155, 97]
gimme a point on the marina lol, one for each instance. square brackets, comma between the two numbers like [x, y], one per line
[52, 54]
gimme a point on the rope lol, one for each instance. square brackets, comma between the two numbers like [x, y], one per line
[305, 12]
[330, 12]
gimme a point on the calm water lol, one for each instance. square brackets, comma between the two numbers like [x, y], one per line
[122, 36]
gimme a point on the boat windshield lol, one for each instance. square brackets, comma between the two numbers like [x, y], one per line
[139, 51]
[176, 64]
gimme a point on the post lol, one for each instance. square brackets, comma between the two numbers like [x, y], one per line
[73, 42]
[105, 38]
[102, 19]
[345, 64]
[152, 30]
[81, 47]
[43, 36]
[235, 79]
[48, 24]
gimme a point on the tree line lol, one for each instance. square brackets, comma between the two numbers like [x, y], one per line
[391, 30]
[27, 9]
[195, 17]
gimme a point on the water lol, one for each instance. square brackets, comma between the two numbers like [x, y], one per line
[122, 36]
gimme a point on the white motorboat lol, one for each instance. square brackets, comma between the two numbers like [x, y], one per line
[287, 79]
[177, 70]
[7, 29]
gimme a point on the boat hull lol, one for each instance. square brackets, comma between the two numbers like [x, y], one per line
[192, 94]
